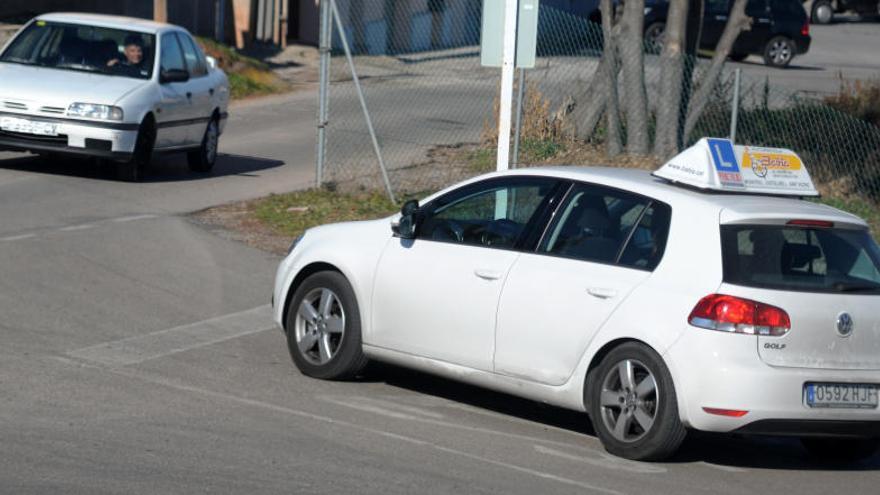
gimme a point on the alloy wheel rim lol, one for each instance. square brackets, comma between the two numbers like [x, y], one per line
[628, 400]
[211, 142]
[780, 52]
[320, 326]
[824, 14]
[655, 39]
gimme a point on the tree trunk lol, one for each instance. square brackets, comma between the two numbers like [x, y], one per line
[632, 59]
[588, 105]
[672, 59]
[609, 54]
[736, 23]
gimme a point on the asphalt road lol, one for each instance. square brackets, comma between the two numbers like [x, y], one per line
[138, 356]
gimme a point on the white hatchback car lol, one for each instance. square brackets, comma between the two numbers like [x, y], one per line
[656, 303]
[111, 87]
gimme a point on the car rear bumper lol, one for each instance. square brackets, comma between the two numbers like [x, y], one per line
[105, 140]
[717, 370]
[802, 44]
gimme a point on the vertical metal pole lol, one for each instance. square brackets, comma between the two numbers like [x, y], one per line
[735, 110]
[360, 93]
[519, 116]
[325, 43]
[220, 17]
[508, 67]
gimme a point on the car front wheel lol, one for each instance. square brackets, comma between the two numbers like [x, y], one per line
[135, 168]
[633, 404]
[324, 328]
[779, 51]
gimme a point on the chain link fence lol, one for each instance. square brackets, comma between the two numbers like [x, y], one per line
[434, 107]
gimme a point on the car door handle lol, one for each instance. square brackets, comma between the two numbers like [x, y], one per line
[211, 92]
[487, 274]
[189, 95]
[602, 292]
[720, 17]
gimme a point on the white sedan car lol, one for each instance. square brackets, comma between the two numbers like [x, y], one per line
[111, 87]
[697, 297]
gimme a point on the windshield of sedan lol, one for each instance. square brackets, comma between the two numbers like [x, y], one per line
[801, 259]
[114, 52]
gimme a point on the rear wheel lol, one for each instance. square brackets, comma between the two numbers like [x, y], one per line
[203, 159]
[136, 168]
[654, 37]
[633, 404]
[324, 328]
[779, 51]
[822, 12]
[841, 449]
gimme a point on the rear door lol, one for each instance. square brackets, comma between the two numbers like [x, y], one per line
[199, 89]
[603, 243]
[825, 276]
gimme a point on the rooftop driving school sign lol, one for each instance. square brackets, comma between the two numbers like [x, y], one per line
[718, 164]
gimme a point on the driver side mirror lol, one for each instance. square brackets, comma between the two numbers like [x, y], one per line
[405, 228]
[173, 76]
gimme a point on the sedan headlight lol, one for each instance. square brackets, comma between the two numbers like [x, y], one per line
[95, 111]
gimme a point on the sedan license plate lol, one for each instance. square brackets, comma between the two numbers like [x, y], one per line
[24, 126]
[841, 395]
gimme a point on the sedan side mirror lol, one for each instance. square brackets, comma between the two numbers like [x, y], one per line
[173, 76]
[405, 227]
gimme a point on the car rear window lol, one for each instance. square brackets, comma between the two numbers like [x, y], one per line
[807, 259]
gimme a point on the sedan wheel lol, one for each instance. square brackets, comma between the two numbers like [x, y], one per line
[823, 13]
[779, 52]
[633, 405]
[324, 329]
[320, 326]
[203, 159]
[654, 37]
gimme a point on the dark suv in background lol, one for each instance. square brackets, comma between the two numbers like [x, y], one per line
[822, 11]
[780, 29]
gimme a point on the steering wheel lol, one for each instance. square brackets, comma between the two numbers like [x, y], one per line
[454, 230]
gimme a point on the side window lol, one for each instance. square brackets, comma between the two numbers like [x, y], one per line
[494, 215]
[172, 56]
[195, 60]
[593, 224]
[648, 241]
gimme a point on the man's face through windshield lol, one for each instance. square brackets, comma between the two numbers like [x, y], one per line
[134, 54]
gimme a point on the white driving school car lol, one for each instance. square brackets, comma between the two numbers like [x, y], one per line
[111, 87]
[708, 295]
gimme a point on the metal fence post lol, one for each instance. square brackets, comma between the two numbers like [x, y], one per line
[360, 93]
[519, 116]
[325, 41]
[735, 110]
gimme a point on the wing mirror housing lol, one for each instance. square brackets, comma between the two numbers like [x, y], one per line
[173, 76]
[405, 226]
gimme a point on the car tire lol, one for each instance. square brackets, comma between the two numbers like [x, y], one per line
[203, 159]
[136, 168]
[779, 51]
[654, 37]
[324, 335]
[636, 417]
[822, 12]
[737, 56]
[841, 449]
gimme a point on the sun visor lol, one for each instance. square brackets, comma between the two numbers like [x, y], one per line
[719, 165]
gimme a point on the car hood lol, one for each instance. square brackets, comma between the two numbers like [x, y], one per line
[41, 86]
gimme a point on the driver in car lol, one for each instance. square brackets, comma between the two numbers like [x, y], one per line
[133, 63]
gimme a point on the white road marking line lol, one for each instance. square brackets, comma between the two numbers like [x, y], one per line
[18, 237]
[163, 343]
[303, 414]
[346, 402]
[729, 469]
[607, 461]
[74, 228]
[132, 218]
[402, 407]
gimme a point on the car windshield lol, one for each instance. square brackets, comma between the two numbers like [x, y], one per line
[74, 47]
[801, 259]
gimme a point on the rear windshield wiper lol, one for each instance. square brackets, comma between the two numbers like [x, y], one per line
[847, 287]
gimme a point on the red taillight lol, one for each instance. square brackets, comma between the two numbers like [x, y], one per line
[805, 30]
[825, 224]
[733, 413]
[738, 315]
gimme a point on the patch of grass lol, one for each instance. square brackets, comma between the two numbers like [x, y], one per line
[539, 150]
[292, 213]
[247, 76]
[481, 160]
